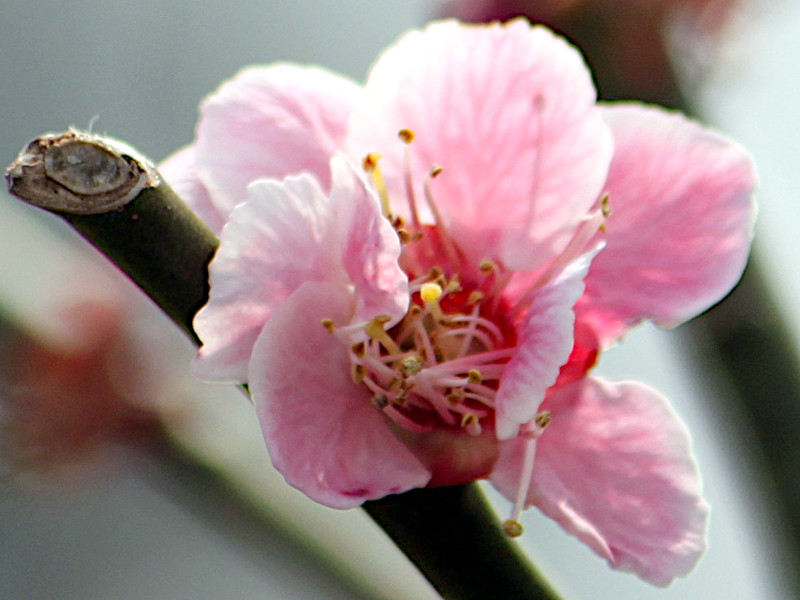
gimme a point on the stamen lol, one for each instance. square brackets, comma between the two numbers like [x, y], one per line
[531, 434]
[471, 423]
[410, 365]
[329, 325]
[371, 167]
[407, 136]
[513, 528]
[444, 237]
[376, 331]
[357, 373]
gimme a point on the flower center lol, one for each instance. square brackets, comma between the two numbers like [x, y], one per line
[441, 364]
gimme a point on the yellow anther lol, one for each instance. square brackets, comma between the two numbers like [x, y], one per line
[513, 528]
[329, 325]
[405, 236]
[456, 396]
[357, 373]
[371, 161]
[475, 297]
[371, 167]
[376, 331]
[474, 376]
[469, 419]
[605, 207]
[410, 365]
[415, 310]
[406, 135]
[454, 285]
[486, 266]
[435, 171]
[359, 349]
[543, 418]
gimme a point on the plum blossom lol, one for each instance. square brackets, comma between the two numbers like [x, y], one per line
[416, 276]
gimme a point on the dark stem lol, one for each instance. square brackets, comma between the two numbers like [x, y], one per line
[450, 534]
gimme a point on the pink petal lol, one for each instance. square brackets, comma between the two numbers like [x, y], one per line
[509, 112]
[270, 122]
[180, 172]
[286, 234]
[681, 221]
[615, 469]
[322, 432]
[545, 340]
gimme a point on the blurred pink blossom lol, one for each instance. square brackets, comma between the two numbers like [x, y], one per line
[403, 325]
[632, 45]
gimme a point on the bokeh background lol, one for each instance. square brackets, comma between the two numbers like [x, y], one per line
[142, 530]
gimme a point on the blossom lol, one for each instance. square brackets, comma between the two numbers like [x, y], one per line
[632, 46]
[401, 324]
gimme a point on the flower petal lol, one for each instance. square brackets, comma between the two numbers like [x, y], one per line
[545, 340]
[509, 112]
[681, 221]
[322, 432]
[286, 234]
[270, 122]
[615, 469]
[180, 172]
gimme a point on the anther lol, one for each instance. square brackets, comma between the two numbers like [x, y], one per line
[513, 528]
[543, 418]
[357, 373]
[329, 325]
[376, 331]
[474, 376]
[454, 285]
[371, 167]
[470, 422]
[486, 266]
[410, 365]
[406, 135]
[435, 171]
[359, 349]
[380, 401]
[475, 297]
[456, 396]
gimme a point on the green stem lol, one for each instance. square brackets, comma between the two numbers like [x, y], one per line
[450, 534]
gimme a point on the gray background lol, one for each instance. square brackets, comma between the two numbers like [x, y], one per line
[137, 71]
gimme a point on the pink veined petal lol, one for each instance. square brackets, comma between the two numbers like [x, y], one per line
[286, 234]
[321, 430]
[270, 122]
[509, 112]
[615, 469]
[681, 222]
[368, 245]
[545, 340]
[180, 172]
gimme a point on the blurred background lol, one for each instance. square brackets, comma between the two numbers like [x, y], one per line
[127, 524]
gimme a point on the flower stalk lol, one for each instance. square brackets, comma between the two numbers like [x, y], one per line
[120, 204]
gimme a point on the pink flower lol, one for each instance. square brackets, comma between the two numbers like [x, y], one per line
[402, 326]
